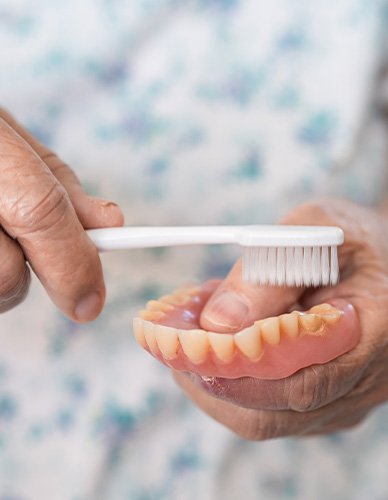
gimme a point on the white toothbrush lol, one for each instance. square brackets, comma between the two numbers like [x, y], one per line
[272, 255]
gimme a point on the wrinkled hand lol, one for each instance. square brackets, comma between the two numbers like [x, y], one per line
[321, 398]
[43, 213]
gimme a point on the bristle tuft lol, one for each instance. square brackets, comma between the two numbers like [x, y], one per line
[291, 266]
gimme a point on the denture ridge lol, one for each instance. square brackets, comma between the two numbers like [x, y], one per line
[196, 344]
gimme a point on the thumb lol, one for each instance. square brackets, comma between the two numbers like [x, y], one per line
[236, 304]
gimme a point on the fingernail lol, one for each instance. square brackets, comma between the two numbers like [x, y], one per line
[107, 203]
[112, 212]
[88, 307]
[228, 310]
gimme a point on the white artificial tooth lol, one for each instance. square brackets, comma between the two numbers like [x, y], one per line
[222, 345]
[176, 298]
[195, 344]
[181, 297]
[156, 305]
[270, 330]
[322, 309]
[289, 324]
[249, 342]
[327, 312]
[151, 315]
[138, 331]
[149, 334]
[332, 318]
[310, 322]
[167, 340]
[195, 290]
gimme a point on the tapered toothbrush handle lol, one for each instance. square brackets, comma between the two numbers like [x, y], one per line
[116, 238]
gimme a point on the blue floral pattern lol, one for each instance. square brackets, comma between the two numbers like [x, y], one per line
[184, 112]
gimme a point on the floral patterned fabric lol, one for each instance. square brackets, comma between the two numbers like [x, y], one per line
[184, 112]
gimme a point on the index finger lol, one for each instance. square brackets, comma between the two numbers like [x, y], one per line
[35, 210]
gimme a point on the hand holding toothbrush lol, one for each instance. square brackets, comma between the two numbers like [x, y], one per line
[43, 213]
[322, 398]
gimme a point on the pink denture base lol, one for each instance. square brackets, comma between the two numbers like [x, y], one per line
[276, 361]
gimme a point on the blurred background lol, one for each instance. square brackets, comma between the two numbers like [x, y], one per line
[183, 112]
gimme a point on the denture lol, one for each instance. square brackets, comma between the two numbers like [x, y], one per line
[270, 348]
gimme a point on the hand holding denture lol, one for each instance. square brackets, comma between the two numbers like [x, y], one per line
[275, 361]
[43, 213]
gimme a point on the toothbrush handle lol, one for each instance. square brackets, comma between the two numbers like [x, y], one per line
[115, 238]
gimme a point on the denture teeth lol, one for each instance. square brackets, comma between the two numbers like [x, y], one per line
[195, 290]
[249, 342]
[175, 299]
[181, 298]
[138, 331]
[222, 345]
[310, 322]
[289, 324]
[156, 305]
[322, 309]
[332, 318]
[149, 334]
[151, 315]
[195, 344]
[327, 312]
[167, 340]
[270, 331]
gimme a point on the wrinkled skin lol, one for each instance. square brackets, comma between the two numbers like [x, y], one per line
[322, 398]
[43, 213]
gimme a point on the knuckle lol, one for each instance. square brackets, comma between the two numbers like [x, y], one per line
[60, 169]
[320, 385]
[14, 289]
[251, 433]
[311, 390]
[12, 152]
[56, 165]
[43, 211]
[310, 212]
[368, 382]
[257, 426]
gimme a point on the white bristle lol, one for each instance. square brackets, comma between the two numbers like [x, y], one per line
[298, 266]
[316, 267]
[255, 264]
[281, 266]
[272, 266]
[325, 266]
[334, 272]
[291, 266]
[263, 266]
[307, 263]
[246, 264]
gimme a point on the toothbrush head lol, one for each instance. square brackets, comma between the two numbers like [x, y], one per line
[291, 255]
